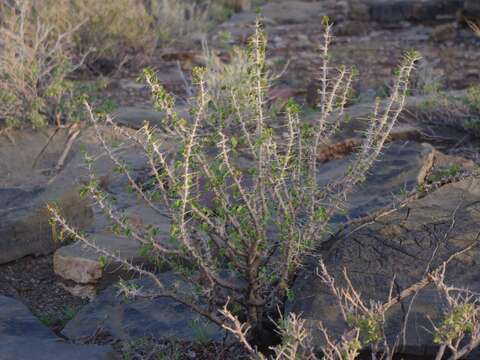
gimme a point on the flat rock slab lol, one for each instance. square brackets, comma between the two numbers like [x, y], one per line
[23, 337]
[124, 319]
[401, 168]
[397, 171]
[401, 244]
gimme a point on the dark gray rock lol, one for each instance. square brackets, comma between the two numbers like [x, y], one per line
[124, 319]
[23, 337]
[397, 170]
[395, 11]
[29, 181]
[25, 228]
[472, 8]
[400, 244]
[135, 117]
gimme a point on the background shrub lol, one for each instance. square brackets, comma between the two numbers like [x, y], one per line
[35, 62]
[111, 30]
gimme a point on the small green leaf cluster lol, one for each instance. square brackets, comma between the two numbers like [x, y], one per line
[369, 326]
[456, 324]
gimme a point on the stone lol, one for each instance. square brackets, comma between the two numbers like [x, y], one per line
[29, 181]
[395, 11]
[472, 8]
[389, 246]
[444, 32]
[82, 264]
[25, 228]
[293, 12]
[396, 171]
[82, 291]
[23, 337]
[274, 13]
[438, 165]
[358, 10]
[238, 5]
[160, 318]
[135, 116]
[352, 28]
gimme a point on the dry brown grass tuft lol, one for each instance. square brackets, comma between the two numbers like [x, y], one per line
[112, 30]
[34, 65]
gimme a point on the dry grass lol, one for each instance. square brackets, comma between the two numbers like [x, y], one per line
[116, 31]
[34, 64]
[112, 30]
[41, 40]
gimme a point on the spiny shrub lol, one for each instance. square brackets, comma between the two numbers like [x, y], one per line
[241, 188]
[456, 333]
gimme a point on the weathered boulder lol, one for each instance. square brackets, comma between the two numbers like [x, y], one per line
[33, 176]
[23, 337]
[400, 244]
[238, 5]
[284, 12]
[472, 8]
[394, 11]
[25, 228]
[135, 116]
[444, 32]
[161, 318]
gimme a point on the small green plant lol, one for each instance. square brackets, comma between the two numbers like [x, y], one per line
[59, 319]
[458, 110]
[369, 326]
[456, 323]
[201, 333]
[445, 173]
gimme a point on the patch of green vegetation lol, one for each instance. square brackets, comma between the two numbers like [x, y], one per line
[59, 318]
[141, 347]
[202, 335]
[464, 107]
[445, 173]
[455, 324]
[421, 191]
[369, 326]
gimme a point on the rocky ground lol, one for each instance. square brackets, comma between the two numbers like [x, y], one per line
[71, 295]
